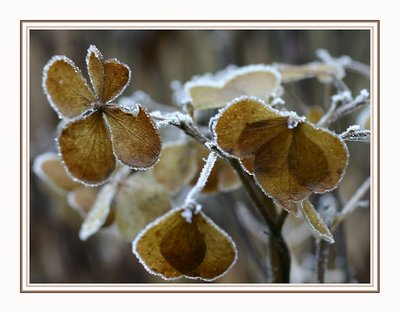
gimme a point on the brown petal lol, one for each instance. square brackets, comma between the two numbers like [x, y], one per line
[233, 119]
[116, 78]
[49, 168]
[65, 87]
[250, 81]
[316, 222]
[96, 70]
[271, 170]
[81, 199]
[139, 200]
[183, 246]
[228, 179]
[172, 247]
[254, 135]
[221, 250]
[86, 149]
[135, 138]
[307, 161]
[335, 152]
[177, 165]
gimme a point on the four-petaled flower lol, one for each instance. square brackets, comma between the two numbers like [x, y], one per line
[95, 132]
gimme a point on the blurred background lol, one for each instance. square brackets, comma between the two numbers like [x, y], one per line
[157, 57]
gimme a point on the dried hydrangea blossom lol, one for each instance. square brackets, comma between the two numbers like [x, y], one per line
[289, 157]
[95, 132]
[172, 247]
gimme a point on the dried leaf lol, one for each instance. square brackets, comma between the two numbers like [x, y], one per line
[116, 77]
[315, 221]
[86, 149]
[139, 200]
[49, 168]
[99, 212]
[171, 247]
[135, 137]
[65, 87]
[213, 92]
[177, 165]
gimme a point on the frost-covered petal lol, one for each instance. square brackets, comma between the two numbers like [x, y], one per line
[171, 247]
[86, 149]
[82, 198]
[116, 78]
[96, 70]
[139, 200]
[49, 168]
[135, 138]
[212, 92]
[316, 222]
[65, 87]
[99, 212]
[231, 121]
[335, 153]
[177, 165]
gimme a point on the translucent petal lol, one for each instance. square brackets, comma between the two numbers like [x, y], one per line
[139, 200]
[177, 165]
[212, 92]
[315, 221]
[49, 168]
[99, 212]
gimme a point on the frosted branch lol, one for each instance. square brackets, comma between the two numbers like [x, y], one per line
[353, 203]
[343, 104]
[190, 201]
[355, 133]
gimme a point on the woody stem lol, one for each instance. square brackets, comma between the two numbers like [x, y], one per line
[279, 251]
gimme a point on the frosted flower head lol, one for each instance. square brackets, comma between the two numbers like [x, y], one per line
[289, 157]
[175, 245]
[95, 132]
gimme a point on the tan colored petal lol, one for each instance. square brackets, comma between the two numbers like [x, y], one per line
[135, 138]
[116, 78]
[96, 70]
[316, 222]
[201, 153]
[139, 201]
[99, 212]
[307, 161]
[324, 72]
[172, 247]
[259, 81]
[234, 118]
[177, 165]
[82, 198]
[221, 251]
[314, 114]
[228, 179]
[65, 87]
[49, 168]
[335, 152]
[86, 149]
[272, 172]
[254, 135]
